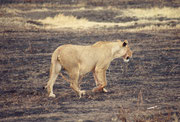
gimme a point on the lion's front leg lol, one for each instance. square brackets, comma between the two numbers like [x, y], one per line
[100, 79]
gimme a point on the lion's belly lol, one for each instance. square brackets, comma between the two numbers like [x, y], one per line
[86, 67]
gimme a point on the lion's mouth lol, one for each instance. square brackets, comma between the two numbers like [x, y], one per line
[126, 59]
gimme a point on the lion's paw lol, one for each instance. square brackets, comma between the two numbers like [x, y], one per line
[52, 95]
[105, 90]
[81, 93]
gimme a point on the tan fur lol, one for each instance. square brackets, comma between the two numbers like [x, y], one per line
[78, 60]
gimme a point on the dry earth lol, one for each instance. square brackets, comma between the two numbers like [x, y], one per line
[145, 89]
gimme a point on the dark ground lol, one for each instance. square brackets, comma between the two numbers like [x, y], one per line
[145, 89]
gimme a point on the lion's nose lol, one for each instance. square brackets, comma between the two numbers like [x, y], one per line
[127, 58]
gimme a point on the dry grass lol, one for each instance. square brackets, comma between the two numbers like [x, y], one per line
[6, 10]
[153, 12]
[149, 17]
[152, 16]
[144, 16]
[61, 21]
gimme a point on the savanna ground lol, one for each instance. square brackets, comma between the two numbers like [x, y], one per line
[145, 89]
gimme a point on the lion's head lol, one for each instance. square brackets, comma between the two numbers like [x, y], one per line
[122, 50]
[128, 53]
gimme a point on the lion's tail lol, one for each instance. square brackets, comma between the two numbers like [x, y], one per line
[55, 60]
[55, 64]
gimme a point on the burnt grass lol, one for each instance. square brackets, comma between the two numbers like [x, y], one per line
[145, 89]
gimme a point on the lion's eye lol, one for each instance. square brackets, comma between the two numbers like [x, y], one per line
[124, 44]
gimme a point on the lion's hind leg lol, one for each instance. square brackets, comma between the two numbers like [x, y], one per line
[74, 75]
[54, 71]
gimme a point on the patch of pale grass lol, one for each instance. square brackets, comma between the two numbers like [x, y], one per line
[14, 11]
[39, 10]
[11, 21]
[153, 12]
[11, 11]
[150, 17]
[144, 16]
[62, 21]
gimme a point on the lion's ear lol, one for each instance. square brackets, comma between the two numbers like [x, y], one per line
[125, 43]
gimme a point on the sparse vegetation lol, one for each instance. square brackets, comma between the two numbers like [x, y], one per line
[146, 89]
[61, 21]
[144, 19]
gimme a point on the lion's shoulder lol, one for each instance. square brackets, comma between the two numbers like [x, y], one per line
[100, 43]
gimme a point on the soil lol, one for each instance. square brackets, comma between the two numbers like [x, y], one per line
[145, 89]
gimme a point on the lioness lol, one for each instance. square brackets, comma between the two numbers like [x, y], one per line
[78, 60]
